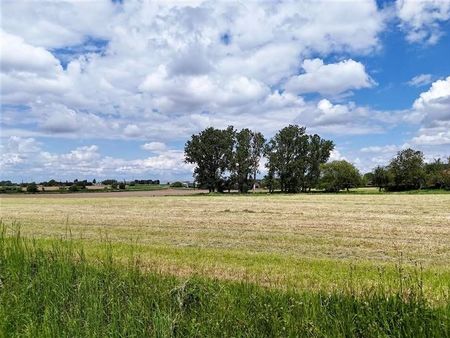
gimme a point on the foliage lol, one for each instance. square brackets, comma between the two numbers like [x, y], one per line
[339, 175]
[407, 170]
[381, 177]
[212, 152]
[248, 150]
[295, 157]
[177, 184]
[32, 188]
[122, 185]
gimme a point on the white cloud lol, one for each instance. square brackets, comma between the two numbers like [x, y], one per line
[164, 65]
[434, 104]
[391, 148]
[421, 19]
[330, 79]
[421, 80]
[336, 155]
[154, 146]
[19, 153]
[432, 111]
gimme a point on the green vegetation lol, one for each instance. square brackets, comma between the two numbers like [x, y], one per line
[55, 290]
[339, 175]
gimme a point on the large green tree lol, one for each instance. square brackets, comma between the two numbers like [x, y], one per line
[381, 177]
[295, 157]
[318, 152]
[407, 170]
[339, 175]
[287, 152]
[212, 152]
[247, 153]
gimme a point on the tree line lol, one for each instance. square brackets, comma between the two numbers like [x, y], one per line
[408, 171]
[228, 159]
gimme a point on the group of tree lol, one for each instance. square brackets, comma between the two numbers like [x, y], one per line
[230, 158]
[297, 162]
[408, 171]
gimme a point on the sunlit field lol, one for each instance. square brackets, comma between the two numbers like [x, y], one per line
[314, 241]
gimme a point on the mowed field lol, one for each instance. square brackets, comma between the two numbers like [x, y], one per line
[306, 241]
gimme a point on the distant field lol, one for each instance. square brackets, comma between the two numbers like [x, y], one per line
[314, 241]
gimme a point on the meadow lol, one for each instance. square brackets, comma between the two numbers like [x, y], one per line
[336, 253]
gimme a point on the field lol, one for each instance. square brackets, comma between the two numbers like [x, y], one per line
[314, 243]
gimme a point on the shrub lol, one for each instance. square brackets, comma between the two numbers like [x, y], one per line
[176, 185]
[32, 188]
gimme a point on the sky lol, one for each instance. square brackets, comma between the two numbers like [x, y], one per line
[113, 89]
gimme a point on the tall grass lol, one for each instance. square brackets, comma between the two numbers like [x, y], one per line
[58, 292]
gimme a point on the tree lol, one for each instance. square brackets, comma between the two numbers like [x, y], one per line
[32, 188]
[407, 169]
[338, 175]
[381, 177]
[295, 157]
[249, 146]
[94, 181]
[318, 153]
[212, 152]
[435, 173]
[257, 150]
[287, 152]
[242, 166]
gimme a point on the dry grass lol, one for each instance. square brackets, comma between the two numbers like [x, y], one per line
[304, 239]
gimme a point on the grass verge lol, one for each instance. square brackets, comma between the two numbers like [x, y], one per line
[57, 291]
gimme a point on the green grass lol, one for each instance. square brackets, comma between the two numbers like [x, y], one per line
[56, 290]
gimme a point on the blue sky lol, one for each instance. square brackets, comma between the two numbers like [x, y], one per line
[113, 89]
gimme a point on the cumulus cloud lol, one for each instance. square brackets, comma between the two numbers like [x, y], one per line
[434, 104]
[432, 110]
[330, 79]
[154, 146]
[86, 161]
[167, 62]
[421, 19]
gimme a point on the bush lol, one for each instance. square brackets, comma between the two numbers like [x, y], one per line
[122, 186]
[74, 188]
[32, 188]
[176, 185]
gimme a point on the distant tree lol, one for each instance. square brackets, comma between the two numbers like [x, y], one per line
[339, 175]
[407, 169]
[32, 188]
[287, 153]
[109, 182]
[94, 181]
[319, 151]
[122, 185]
[176, 184]
[381, 177]
[257, 150]
[212, 152]
[367, 179]
[436, 172]
[249, 146]
[114, 185]
[295, 158]
[74, 188]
